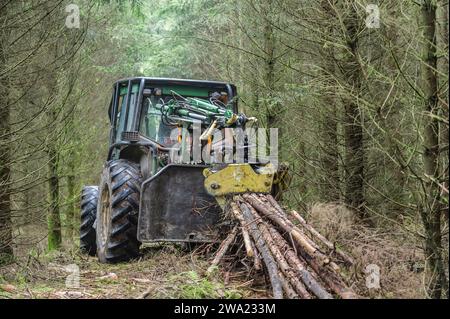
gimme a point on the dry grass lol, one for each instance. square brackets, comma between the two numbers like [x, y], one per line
[397, 254]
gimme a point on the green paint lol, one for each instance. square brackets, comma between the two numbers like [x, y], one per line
[183, 112]
[204, 105]
[185, 91]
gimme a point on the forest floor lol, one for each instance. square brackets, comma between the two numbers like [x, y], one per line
[163, 271]
[171, 271]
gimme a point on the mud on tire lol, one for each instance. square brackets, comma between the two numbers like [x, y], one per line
[117, 213]
[89, 199]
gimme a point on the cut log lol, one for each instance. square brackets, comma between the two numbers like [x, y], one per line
[286, 269]
[223, 249]
[282, 214]
[245, 235]
[292, 251]
[305, 276]
[289, 291]
[281, 261]
[272, 203]
[332, 279]
[275, 204]
[269, 261]
[345, 258]
[256, 257]
[288, 228]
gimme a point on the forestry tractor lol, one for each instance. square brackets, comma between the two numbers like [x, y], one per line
[162, 180]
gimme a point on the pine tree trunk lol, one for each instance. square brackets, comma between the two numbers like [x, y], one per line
[443, 67]
[6, 250]
[330, 156]
[431, 210]
[269, 66]
[54, 219]
[54, 238]
[71, 216]
[330, 187]
[353, 124]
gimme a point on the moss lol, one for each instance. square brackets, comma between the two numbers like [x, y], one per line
[197, 287]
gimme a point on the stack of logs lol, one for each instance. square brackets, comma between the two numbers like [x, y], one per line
[299, 261]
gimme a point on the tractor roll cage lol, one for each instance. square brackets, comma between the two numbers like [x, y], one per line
[143, 82]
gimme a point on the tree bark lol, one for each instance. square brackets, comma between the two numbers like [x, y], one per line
[443, 67]
[431, 210]
[269, 63]
[6, 249]
[287, 287]
[54, 219]
[289, 228]
[281, 260]
[353, 123]
[245, 235]
[223, 249]
[297, 265]
[71, 216]
[270, 263]
[330, 186]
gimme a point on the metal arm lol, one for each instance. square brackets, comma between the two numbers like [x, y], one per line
[190, 109]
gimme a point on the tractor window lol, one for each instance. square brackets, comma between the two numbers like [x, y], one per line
[121, 110]
[132, 104]
[120, 119]
[151, 125]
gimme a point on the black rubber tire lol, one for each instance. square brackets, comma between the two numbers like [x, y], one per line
[89, 199]
[117, 213]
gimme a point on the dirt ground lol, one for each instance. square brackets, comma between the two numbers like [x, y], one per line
[163, 271]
